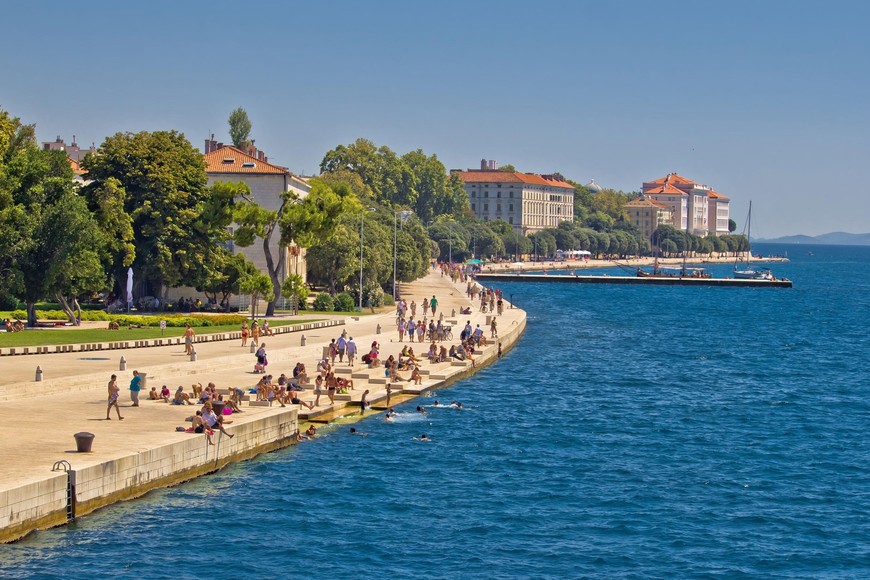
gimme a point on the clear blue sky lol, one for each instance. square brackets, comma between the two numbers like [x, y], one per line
[761, 100]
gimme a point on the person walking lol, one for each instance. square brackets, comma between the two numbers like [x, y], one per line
[135, 387]
[114, 393]
[433, 304]
[341, 343]
[351, 351]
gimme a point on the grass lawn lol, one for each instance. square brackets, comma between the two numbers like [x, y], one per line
[51, 337]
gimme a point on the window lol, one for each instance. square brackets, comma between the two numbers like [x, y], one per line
[511, 207]
[498, 195]
[486, 207]
[511, 194]
[510, 219]
[498, 207]
[485, 194]
[473, 207]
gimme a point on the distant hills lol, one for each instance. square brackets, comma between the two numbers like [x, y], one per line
[833, 238]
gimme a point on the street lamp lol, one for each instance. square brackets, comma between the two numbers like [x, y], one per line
[405, 214]
[362, 221]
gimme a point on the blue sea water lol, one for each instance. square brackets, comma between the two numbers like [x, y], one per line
[640, 432]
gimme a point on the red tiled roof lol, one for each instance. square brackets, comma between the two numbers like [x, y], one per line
[228, 159]
[672, 178]
[77, 169]
[647, 203]
[716, 195]
[662, 189]
[505, 177]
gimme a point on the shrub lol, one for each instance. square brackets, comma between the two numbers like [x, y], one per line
[323, 302]
[387, 299]
[344, 302]
[172, 320]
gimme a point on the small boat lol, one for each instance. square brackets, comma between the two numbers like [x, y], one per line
[748, 272]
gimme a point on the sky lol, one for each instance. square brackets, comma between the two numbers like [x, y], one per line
[762, 100]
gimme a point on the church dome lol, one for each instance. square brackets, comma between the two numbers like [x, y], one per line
[593, 187]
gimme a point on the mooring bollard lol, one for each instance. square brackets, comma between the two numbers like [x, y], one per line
[38, 373]
[378, 329]
[302, 341]
[453, 313]
[193, 355]
[253, 348]
[123, 366]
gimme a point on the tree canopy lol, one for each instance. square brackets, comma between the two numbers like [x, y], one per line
[240, 128]
[155, 183]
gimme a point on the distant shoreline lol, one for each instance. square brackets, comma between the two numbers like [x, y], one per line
[634, 262]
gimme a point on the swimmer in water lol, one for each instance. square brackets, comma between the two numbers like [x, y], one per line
[456, 404]
[423, 437]
[421, 410]
[353, 431]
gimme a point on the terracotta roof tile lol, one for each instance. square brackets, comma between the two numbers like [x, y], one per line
[647, 203]
[662, 189]
[228, 159]
[505, 177]
[77, 169]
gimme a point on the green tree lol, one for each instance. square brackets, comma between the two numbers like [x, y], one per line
[732, 226]
[156, 184]
[296, 291]
[301, 222]
[240, 128]
[50, 245]
[259, 286]
[221, 273]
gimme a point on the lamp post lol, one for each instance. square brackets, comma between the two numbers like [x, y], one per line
[362, 221]
[404, 214]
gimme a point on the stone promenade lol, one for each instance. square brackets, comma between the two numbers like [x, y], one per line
[144, 451]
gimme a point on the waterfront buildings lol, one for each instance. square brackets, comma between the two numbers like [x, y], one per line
[268, 182]
[648, 214]
[697, 208]
[528, 201]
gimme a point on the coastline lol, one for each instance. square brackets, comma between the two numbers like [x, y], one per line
[629, 262]
[144, 452]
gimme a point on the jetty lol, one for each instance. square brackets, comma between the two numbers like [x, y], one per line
[48, 396]
[488, 278]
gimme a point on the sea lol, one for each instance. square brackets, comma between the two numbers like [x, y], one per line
[634, 432]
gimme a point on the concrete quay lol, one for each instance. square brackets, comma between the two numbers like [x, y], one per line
[144, 451]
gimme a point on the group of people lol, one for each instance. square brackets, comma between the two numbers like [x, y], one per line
[13, 325]
[255, 331]
[404, 367]
[340, 347]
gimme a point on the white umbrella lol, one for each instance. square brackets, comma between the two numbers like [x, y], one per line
[129, 286]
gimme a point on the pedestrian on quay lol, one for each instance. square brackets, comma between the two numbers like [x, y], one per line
[114, 393]
[135, 387]
[351, 351]
[188, 339]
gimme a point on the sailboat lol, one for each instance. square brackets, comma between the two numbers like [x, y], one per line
[748, 272]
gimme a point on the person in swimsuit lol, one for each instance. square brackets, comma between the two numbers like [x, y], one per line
[199, 426]
[188, 339]
[114, 393]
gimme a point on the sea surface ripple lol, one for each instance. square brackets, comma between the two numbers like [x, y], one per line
[636, 432]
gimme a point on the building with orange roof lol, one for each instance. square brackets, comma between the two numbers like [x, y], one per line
[697, 208]
[648, 214]
[528, 201]
[268, 182]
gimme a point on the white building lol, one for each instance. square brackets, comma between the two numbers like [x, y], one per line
[268, 183]
[697, 208]
[527, 201]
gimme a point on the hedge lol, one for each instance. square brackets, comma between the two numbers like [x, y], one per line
[172, 320]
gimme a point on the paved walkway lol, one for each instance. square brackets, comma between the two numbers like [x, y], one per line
[38, 431]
